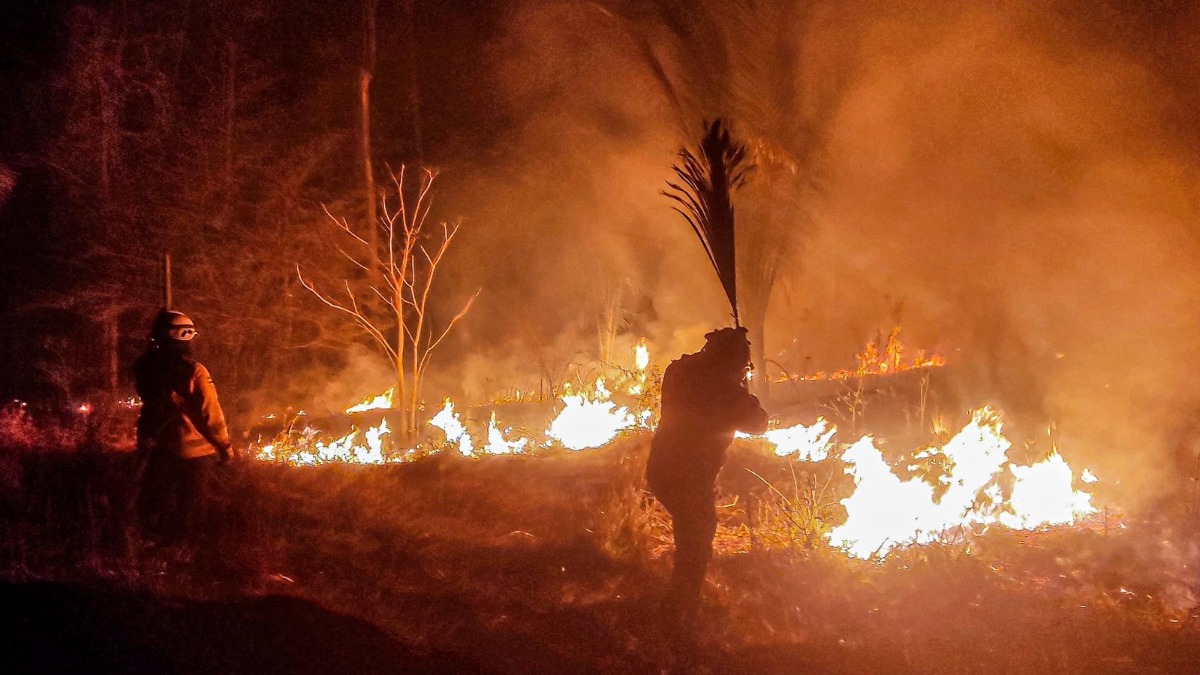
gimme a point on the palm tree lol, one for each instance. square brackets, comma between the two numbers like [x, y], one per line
[742, 60]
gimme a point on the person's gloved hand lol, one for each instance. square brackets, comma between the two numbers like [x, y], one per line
[225, 454]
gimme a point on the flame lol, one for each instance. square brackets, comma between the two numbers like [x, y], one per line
[338, 450]
[885, 511]
[380, 402]
[496, 444]
[873, 360]
[589, 422]
[346, 449]
[809, 444]
[641, 361]
[956, 487]
[373, 453]
[641, 355]
[448, 421]
[1042, 495]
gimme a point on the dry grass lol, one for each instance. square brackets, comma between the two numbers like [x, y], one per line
[555, 563]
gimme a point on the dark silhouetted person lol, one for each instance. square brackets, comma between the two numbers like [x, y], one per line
[704, 401]
[181, 435]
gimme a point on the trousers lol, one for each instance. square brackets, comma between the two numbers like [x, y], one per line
[694, 522]
[172, 504]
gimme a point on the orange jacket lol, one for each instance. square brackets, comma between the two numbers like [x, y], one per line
[180, 412]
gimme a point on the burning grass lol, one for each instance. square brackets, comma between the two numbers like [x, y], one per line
[878, 357]
[556, 562]
[536, 549]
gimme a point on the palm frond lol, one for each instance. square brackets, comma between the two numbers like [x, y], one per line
[707, 179]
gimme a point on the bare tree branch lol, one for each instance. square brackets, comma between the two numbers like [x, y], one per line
[352, 310]
[461, 313]
[408, 270]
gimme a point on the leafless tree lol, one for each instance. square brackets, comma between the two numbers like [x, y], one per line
[391, 303]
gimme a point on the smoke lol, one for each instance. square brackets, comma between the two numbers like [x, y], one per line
[1017, 187]
[1014, 183]
[564, 228]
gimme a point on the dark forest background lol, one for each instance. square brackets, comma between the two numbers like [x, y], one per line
[215, 132]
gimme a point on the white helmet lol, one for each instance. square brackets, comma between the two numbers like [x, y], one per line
[173, 326]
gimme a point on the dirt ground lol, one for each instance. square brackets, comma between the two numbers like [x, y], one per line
[554, 564]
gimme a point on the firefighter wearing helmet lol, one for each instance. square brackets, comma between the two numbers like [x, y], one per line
[181, 434]
[704, 402]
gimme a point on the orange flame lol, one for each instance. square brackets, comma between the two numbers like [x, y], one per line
[876, 359]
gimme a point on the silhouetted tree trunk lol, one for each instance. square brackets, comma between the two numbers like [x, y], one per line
[112, 340]
[411, 69]
[364, 97]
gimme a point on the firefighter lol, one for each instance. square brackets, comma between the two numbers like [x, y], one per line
[181, 435]
[704, 401]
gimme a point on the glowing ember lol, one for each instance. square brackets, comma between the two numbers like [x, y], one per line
[589, 422]
[448, 421]
[809, 444]
[380, 402]
[496, 444]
